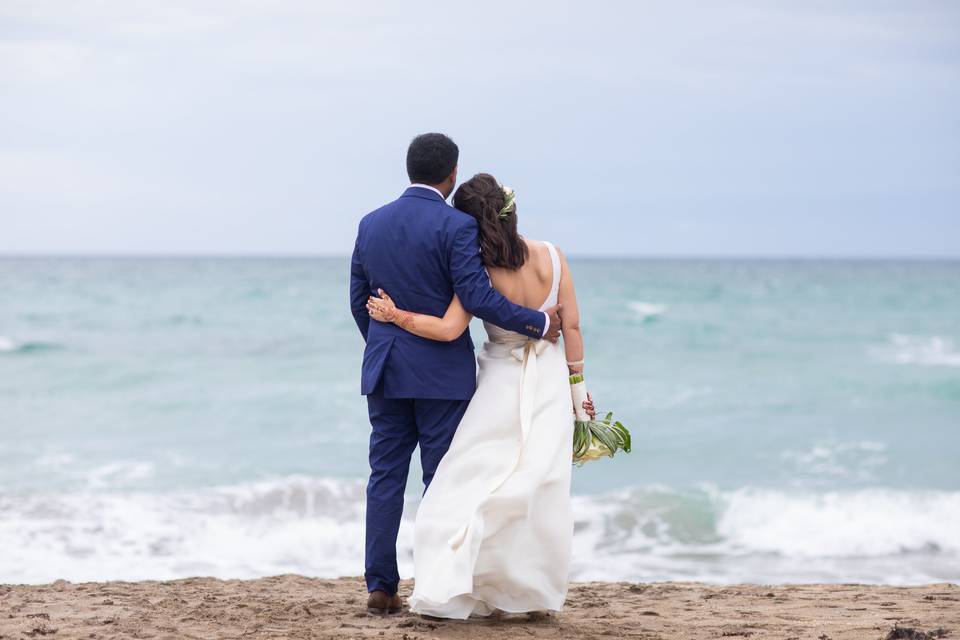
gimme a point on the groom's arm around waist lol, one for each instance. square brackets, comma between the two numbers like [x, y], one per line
[477, 295]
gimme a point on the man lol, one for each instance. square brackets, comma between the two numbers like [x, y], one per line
[422, 251]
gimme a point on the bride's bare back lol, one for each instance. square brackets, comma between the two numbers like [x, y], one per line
[529, 285]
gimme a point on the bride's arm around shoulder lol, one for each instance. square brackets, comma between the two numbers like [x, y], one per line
[570, 318]
[446, 329]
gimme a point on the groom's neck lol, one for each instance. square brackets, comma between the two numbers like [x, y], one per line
[445, 188]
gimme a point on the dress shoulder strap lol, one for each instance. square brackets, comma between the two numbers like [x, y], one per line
[555, 286]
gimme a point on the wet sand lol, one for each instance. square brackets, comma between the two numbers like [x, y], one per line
[293, 606]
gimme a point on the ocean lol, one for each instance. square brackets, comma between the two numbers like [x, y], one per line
[793, 421]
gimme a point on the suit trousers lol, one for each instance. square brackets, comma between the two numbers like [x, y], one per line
[398, 426]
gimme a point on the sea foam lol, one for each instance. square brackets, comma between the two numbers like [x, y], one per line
[648, 310]
[315, 526]
[9, 345]
[919, 350]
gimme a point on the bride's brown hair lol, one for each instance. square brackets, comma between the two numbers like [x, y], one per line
[500, 243]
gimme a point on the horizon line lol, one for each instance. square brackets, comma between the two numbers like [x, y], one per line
[806, 257]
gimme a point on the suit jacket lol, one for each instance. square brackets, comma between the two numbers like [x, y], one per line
[422, 251]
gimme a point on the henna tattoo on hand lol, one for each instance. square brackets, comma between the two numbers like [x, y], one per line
[403, 319]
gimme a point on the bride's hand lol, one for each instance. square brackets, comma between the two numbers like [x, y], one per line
[589, 408]
[382, 309]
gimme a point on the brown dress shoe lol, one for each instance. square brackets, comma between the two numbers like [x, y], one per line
[380, 603]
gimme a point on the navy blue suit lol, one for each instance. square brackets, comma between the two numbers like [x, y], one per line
[421, 251]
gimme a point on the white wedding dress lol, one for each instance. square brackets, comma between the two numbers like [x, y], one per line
[494, 529]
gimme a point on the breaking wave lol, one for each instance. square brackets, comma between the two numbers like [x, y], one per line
[919, 350]
[315, 526]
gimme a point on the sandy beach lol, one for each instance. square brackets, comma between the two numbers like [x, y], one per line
[292, 606]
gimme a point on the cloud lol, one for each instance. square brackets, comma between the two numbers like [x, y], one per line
[292, 116]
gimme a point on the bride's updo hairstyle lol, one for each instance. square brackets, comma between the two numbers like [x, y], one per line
[500, 244]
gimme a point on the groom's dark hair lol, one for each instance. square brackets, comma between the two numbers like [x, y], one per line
[431, 157]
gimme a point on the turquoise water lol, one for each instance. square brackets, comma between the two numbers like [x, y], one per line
[792, 421]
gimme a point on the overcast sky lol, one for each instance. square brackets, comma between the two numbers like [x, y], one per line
[648, 128]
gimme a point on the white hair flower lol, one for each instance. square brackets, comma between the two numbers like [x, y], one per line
[510, 204]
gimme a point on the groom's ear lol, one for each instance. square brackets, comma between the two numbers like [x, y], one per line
[453, 176]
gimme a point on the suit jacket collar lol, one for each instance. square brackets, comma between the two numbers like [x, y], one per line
[420, 192]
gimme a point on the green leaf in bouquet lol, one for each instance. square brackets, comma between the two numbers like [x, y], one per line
[594, 439]
[624, 434]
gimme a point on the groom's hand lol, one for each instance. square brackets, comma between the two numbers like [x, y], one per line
[553, 333]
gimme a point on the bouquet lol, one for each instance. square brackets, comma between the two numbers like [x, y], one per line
[593, 438]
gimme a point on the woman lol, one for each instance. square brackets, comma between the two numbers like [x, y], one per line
[494, 530]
